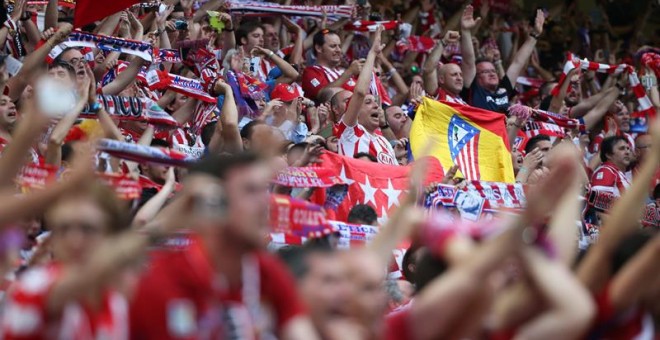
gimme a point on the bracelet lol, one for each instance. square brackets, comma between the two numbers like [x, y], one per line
[95, 107]
[271, 54]
[228, 29]
[534, 35]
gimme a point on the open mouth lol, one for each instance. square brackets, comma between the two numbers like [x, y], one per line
[80, 73]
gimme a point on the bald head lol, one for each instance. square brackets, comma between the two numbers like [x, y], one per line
[450, 78]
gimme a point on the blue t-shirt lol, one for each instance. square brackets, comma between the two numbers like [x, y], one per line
[497, 101]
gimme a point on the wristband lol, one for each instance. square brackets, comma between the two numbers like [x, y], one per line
[271, 54]
[534, 35]
[95, 107]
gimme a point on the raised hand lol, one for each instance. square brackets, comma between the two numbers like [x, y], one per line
[221, 87]
[538, 22]
[19, 8]
[377, 45]
[161, 18]
[468, 21]
[449, 175]
[533, 159]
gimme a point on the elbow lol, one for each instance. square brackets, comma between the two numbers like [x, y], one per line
[360, 91]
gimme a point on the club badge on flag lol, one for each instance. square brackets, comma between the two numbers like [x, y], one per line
[473, 138]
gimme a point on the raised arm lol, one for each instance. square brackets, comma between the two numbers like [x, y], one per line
[570, 307]
[231, 136]
[151, 208]
[124, 78]
[622, 220]
[350, 118]
[431, 314]
[25, 134]
[289, 74]
[525, 51]
[33, 63]
[468, 67]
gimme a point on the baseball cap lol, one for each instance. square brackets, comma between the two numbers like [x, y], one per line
[285, 92]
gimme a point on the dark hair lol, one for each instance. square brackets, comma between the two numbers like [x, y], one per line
[299, 146]
[628, 248]
[607, 146]
[319, 38]
[160, 143]
[656, 192]
[69, 69]
[245, 29]
[248, 129]
[366, 154]
[207, 132]
[58, 59]
[482, 60]
[532, 142]
[220, 165]
[362, 213]
[428, 268]
[408, 259]
[295, 257]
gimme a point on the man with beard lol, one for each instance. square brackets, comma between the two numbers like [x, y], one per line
[327, 72]
[221, 283]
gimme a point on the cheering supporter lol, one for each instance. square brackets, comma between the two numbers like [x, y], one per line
[616, 157]
[256, 294]
[489, 90]
[360, 127]
[383, 169]
[327, 71]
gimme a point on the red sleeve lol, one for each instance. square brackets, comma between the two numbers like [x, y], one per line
[313, 80]
[594, 147]
[603, 177]
[397, 326]
[278, 287]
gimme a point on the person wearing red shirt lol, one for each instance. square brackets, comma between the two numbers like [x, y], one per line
[619, 112]
[610, 176]
[360, 130]
[220, 282]
[327, 72]
[621, 269]
[76, 296]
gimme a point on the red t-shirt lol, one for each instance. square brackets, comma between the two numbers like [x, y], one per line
[181, 297]
[25, 316]
[398, 326]
[315, 78]
[613, 324]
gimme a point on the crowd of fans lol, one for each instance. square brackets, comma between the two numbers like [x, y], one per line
[188, 257]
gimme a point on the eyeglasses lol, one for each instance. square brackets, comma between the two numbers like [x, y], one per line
[76, 61]
[488, 71]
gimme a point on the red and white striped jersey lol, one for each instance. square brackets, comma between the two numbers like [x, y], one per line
[25, 315]
[609, 178]
[315, 78]
[356, 139]
[444, 95]
[187, 143]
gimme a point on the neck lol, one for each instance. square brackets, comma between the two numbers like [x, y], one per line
[5, 132]
[619, 166]
[323, 62]
[226, 257]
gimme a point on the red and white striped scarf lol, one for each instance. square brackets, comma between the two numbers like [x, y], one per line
[370, 26]
[253, 7]
[645, 106]
[415, 43]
